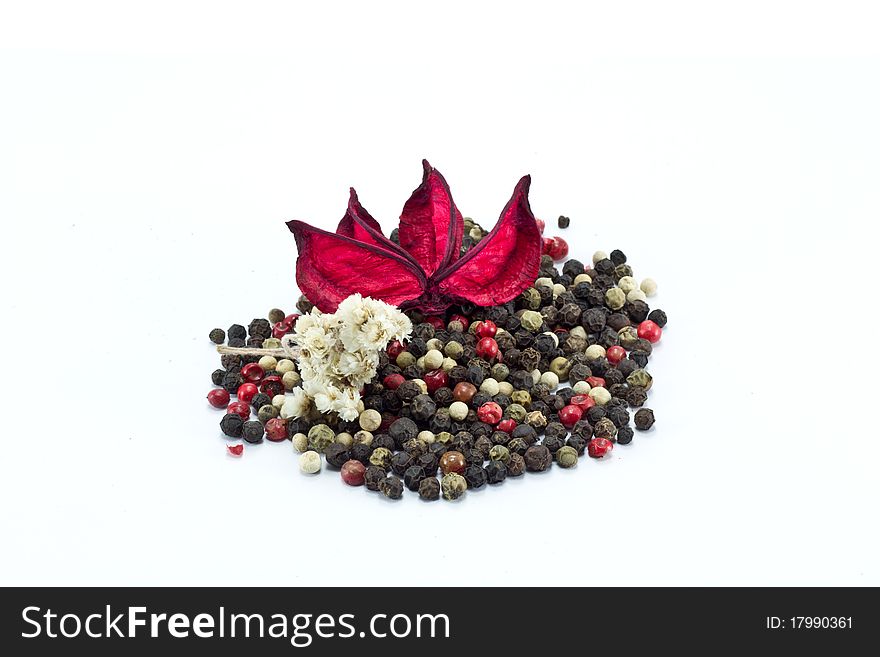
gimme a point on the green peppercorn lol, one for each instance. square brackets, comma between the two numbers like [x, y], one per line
[605, 428]
[499, 453]
[500, 372]
[271, 343]
[530, 298]
[640, 378]
[276, 315]
[537, 420]
[627, 337]
[266, 413]
[453, 349]
[560, 366]
[217, 336]
[566, 457]
[453, 486]
[531, 321]
[445, 438]
[381, 457]
[615, 298]
[320, 436]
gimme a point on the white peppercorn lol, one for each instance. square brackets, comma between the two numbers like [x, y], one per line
[635, 295]
[426, 436]
[433, 359]
[627, 284]
[458, 410]
[594, 352]
[310, 462]
[577, 331]
[448, 364]
[422, 385]
[600, 395]
[268, 363]
[649, 286]
[345, 438]
[290, 380]
[278, 401]
[582, 278]
[615, 298]
[558, 288]
[300, 442]
[599, 255]
[505, 388]
[581, 388]
[544, 281]
[531, 320]
[489, 386]
[536, 376]
[550, 379]
[362, 437]
[434, 343]
[285, 365]
[370, 420]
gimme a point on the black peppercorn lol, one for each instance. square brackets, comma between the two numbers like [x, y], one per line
[579, 443]
[408, 390]
[260, 400]
[644, 419]
[429, 489]
[252, 431]
[402, 430]
[232, 425]
[618, 415]
[537, 458]
[230, 361]
[553, 443]
[428, 462]
[413, 476]
[360, 452]
[617, 321]
[236, 342]
[391, 487]
[625, 435]
[400, 462]
[516, 465]
[563, 222]
[636, 310]
[232, 381]
[594, 414]
[640, 358]
[217, 336]
[496, 472]
[517, 446]
[337, 454]
[217, 377]
[475, 475]
[373, 476]
[237, 332]
[525, 433]
[582, 428]
[658, 317]
[617, 257]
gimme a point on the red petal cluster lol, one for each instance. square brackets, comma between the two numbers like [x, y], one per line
[425, 270]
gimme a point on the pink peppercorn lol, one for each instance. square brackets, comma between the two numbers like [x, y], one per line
[486, 329]
[487, 348]
[615, 354]
[252, 373]
[235, 450]
[650, 331]
[353, 472]
[569, 415]
[507, 425]
[583, 402]
[393, 381]
[436, 379]
[596, 381]
[599, 447]
[246, 392]
[490, 413]
[240, 408]
[394, 349]
[218, 398]
[276, 430]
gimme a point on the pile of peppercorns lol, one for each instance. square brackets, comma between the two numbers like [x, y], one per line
[475, 395]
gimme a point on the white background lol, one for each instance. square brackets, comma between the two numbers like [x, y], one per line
[150, 152]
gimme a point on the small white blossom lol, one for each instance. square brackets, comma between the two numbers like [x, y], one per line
[296, 405]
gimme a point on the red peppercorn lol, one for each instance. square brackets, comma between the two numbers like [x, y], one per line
[276, 430]
[436, 379]
[487, 348]
[246, 392]
[280, 329]
[290, 320]
[353, 472]
[599, 447]
[436, 322]
[615, 354]
[558, 248]
[393, 381]
[272, 385]
[541, 225]
[252, 373]
[394, 349]
[486, 329]
[235, 450]
[546, 245]
[596, 381]
[650, 331]
[569, 415]
[465, 322]
[490, 413]
[387, 421]
[583, 402]
[218, 398]
[240, 408]
[507, 425]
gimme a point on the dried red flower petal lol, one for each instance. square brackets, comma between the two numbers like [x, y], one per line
[235, 450]
[424, 271]
[431, 227]
[503, 263]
